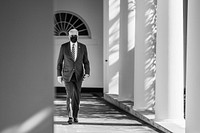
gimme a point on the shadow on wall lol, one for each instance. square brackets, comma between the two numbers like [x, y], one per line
[32, 123]
[114, 33]
[150, 53]
[114, 44]
[150, 46]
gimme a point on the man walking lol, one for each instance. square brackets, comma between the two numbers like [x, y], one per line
[73, 67]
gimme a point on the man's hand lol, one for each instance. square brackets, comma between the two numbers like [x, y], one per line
[86, 76]
[60, 79]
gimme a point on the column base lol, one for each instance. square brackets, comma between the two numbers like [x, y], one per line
[148, 116]
[176, 126]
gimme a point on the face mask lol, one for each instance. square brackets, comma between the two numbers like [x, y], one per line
[73, 38]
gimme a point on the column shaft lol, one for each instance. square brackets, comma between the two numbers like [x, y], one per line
[111, 46]
[126, 57]
[169, 60]
[26, 56]
[139, 72]
[193, 71]
[144, 74]
[105, 44]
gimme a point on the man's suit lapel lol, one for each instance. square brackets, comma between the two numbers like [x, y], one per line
[69, 51]
[78, 51]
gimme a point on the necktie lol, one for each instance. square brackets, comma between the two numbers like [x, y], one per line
[73, 52]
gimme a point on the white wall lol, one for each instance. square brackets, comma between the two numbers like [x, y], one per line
[26, 56]
[92, 12]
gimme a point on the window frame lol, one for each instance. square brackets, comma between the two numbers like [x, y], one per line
[79, 18]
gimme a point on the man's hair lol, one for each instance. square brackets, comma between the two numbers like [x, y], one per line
[73, 32]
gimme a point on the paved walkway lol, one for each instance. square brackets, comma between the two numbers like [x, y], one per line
[97, 116]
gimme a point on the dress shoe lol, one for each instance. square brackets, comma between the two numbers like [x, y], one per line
[75, 120]
[70, 120]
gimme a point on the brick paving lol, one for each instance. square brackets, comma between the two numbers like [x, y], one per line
[97, 116]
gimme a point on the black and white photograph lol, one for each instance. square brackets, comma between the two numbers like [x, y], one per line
[99, 66]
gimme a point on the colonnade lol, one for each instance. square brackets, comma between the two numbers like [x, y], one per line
[126, 70]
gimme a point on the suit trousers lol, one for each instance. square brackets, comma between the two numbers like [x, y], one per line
[73, 92]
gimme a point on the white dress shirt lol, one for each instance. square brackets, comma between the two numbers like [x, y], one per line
[75, 46]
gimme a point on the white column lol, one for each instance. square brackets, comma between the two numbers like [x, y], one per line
[143, 77]
[193, 69]
[26, 56]
[105, 44]
[126, 56]
[139, 77]
[169, 61]
[111, 45]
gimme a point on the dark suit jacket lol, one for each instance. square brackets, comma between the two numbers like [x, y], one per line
[66, 66]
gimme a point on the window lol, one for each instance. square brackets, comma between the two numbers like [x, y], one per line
[64, 21]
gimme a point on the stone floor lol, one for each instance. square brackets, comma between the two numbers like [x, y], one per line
[97, 116]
